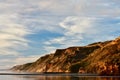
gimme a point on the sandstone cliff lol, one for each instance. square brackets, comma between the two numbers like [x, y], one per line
[100, 58]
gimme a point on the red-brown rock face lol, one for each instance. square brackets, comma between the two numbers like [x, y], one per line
[102, 58]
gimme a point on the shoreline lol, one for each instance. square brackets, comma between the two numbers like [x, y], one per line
[58, 74]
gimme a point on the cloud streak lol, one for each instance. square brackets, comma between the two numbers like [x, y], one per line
[78, 22]
[17, 60]
[12, 36]
[82, 31]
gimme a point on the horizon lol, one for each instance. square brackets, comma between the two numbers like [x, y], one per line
[33, 28]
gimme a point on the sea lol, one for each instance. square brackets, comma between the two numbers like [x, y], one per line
[9, 75]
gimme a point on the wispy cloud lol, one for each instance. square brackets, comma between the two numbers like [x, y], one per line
[78, 22]
[9, 62]
[77, 25]
[74, 29]
[12, 35]
[84, 30]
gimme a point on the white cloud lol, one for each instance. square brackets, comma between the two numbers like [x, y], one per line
[74, 25]
[84, 30]
[12, 37]
[49, 49]
[8, 63]
[63, 7]
[23, 59]
[81, 7]
[6, 51]
[76, 20]
[58, 40]
[75, 29]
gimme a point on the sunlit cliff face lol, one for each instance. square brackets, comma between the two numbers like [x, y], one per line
[99, 58]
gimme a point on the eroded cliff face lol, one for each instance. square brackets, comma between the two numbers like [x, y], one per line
[104, 60]
[100, 57]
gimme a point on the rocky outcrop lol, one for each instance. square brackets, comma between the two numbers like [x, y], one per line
[100, 58]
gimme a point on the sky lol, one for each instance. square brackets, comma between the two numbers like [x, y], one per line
[33, 28]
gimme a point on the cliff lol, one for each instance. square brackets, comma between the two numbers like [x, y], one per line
[100, 58]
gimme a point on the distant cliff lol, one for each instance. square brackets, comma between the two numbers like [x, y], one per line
[99, 58]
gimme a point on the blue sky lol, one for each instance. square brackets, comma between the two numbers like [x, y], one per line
[32, 28]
